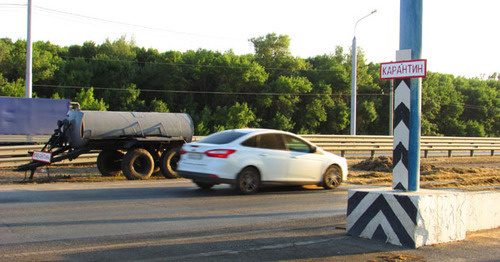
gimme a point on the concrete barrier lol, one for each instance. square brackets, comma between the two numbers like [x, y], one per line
[483, 210]
[425, 217]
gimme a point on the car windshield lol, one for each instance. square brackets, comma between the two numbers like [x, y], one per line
[222, 137]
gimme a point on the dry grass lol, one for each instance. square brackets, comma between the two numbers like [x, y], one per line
[458, 172]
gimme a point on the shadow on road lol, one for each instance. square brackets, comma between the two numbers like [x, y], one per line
[137, 192]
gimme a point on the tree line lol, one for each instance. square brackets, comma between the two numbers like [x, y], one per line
[221, 90]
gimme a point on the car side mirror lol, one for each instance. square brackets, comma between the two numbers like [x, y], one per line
[314, 149]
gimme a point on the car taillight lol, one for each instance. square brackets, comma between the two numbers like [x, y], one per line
[221, 153]
[182, 152]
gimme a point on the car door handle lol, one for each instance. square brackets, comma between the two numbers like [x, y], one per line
[263, 155]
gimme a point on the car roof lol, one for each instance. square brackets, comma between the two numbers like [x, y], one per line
[259, 130]
[246, 132]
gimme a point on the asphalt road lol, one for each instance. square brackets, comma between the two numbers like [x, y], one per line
[173, 220]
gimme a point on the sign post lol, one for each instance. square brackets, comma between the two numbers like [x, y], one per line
[402, 72]
[403, 69]
[410, 37]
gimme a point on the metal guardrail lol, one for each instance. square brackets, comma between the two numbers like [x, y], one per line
[11, 156]
[26, 139]
[447, 145]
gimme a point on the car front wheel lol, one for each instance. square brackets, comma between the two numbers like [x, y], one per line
[332, 177]
[248, 181]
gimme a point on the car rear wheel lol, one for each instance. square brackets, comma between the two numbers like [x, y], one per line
[248, 181]
[332, 177]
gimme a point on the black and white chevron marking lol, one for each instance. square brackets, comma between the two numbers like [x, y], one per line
[386, 217]
[401, 125]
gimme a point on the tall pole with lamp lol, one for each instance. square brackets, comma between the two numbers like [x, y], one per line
[29, 53]
[353, 77]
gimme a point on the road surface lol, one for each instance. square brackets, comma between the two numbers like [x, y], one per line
[56, 220]
[172, 220]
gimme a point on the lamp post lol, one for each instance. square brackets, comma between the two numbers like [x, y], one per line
[29, 53]
[353, 77]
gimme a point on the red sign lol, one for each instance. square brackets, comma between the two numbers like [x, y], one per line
[403, 69]
[42, 156]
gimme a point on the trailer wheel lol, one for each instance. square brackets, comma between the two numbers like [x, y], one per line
[137, 164]
[156, 158]
[168, 162]
[109, 162]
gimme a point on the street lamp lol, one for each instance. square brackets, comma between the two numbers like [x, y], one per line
[29, 54]
[353, 77]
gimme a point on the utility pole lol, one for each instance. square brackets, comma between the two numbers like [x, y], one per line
[353, 77]
[29, 56]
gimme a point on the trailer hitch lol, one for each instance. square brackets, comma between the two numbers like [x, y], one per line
[58, 147]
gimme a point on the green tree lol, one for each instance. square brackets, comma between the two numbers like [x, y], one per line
[312, 110]
[282, 122]
[337, 118]
[45, 61]
[87, 101]
[442, 106]
[73, 72]
[331, 70]
[120, 49]
[158, 106]
[270, 88]
[286, 99]
[12, 89]
[474, 129]
[124, 99]
[237, 74]
[164, 74]
[114, 67]
[367, 114]
[272, 52]
[235, 116]
[369, 98]
[481, 104]
[12, 59]
[203, 120]
[330, 74]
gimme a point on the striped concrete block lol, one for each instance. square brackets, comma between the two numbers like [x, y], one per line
[410, 219]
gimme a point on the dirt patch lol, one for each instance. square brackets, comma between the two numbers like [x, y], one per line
[396, 258]
[59, 174]
[460, 172]
[383, 164]
[442, 172]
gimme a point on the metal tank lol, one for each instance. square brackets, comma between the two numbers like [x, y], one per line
[99, 125]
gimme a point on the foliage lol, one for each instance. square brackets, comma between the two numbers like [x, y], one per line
[270, 88]
[13, 89]
[87, 101]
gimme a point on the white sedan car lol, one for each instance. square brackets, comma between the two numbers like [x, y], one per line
[251, 158]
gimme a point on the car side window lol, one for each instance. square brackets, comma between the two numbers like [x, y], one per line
[296, 145]
[251, 142]
[270, 141]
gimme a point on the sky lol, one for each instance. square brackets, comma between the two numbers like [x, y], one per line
[460, 37]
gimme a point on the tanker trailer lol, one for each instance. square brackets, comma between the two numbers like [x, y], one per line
[136, 144]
